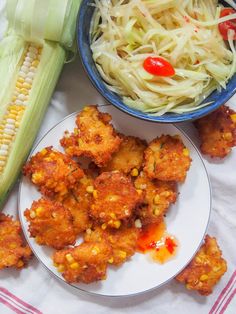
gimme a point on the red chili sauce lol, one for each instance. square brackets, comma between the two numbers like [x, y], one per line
[155, 240]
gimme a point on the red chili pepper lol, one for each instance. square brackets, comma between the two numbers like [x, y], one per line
[158, 66]
[226, 26]
[170, 245]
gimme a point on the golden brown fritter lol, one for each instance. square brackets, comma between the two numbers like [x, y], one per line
[167, 159]
[13, 251]
[217, 132]
[53, 172]
[159, 195]
[84, 263]
[129, 157]
[115, 198]
[78, 202]
[50, 224]
[95, 137]
[123, 241]
[206, 268]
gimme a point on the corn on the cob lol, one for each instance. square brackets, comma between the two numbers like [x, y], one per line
[31, 66]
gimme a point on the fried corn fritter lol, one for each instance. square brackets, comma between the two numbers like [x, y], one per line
[129, 157]
[84, 263]
[167, 159]
[95, 137]
[114, 198]
[53, 172]
[159, 195]
[13, 251]
[206, 268]
[50, 224]
[78, 202]
[123, 241]
[217, 132]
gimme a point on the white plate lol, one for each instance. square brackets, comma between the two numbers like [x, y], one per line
[187, 219]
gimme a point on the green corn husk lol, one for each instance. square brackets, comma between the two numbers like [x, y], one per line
[49, 27]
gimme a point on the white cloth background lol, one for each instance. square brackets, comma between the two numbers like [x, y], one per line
[37, 287]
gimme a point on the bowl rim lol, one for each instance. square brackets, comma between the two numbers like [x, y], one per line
[112, 98]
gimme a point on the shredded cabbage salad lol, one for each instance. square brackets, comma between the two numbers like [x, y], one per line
[185, 33]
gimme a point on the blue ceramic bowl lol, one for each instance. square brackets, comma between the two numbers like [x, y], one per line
[83, 40]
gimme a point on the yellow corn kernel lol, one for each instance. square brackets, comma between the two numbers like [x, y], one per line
[156, 199]
[26, 85]
[227, 136]
[216, 268]
[111, 260]
[3, 158]
[69, 258]
[117, 224]
[104, 226]
[20, 80]
[95, 194]
[203, 277]
[88, 231]
[32, 214]
[233, 117]
[55, 264]
[90, 189]
[61, 268]
[95, 250]
[24, 91]
[134, 172]
[43, 152]
[140, 192]
[122, 254]
[35, 63]
[156, 211]
[113, 216]
[186, 152]
[36, 177]
[12, 245]
[20, 263]
[74, 266]
[18, 85]
[166, 193]
[39, 211]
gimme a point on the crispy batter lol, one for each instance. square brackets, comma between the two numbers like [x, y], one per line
[167, 159]
[217, 132]
[129, 156]
[53, 172]
[50, 224]
[123, 241]
[115, 198]
[84, 263]
[206, 268]
[94, 137]
[13, 252]
[78, 203]
[159, 195]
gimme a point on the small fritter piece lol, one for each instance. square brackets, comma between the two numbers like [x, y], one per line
[78, 202]
[206, 268]
[159, 195]
[13, 251]
[123, 241]
[115, 198]
[94, 138]
[129, 157]
[50, 224]
[53, 172]
[217, 132]
[167, 159]
[84, 263]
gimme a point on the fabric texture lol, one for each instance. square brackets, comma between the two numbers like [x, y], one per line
[34, 290]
